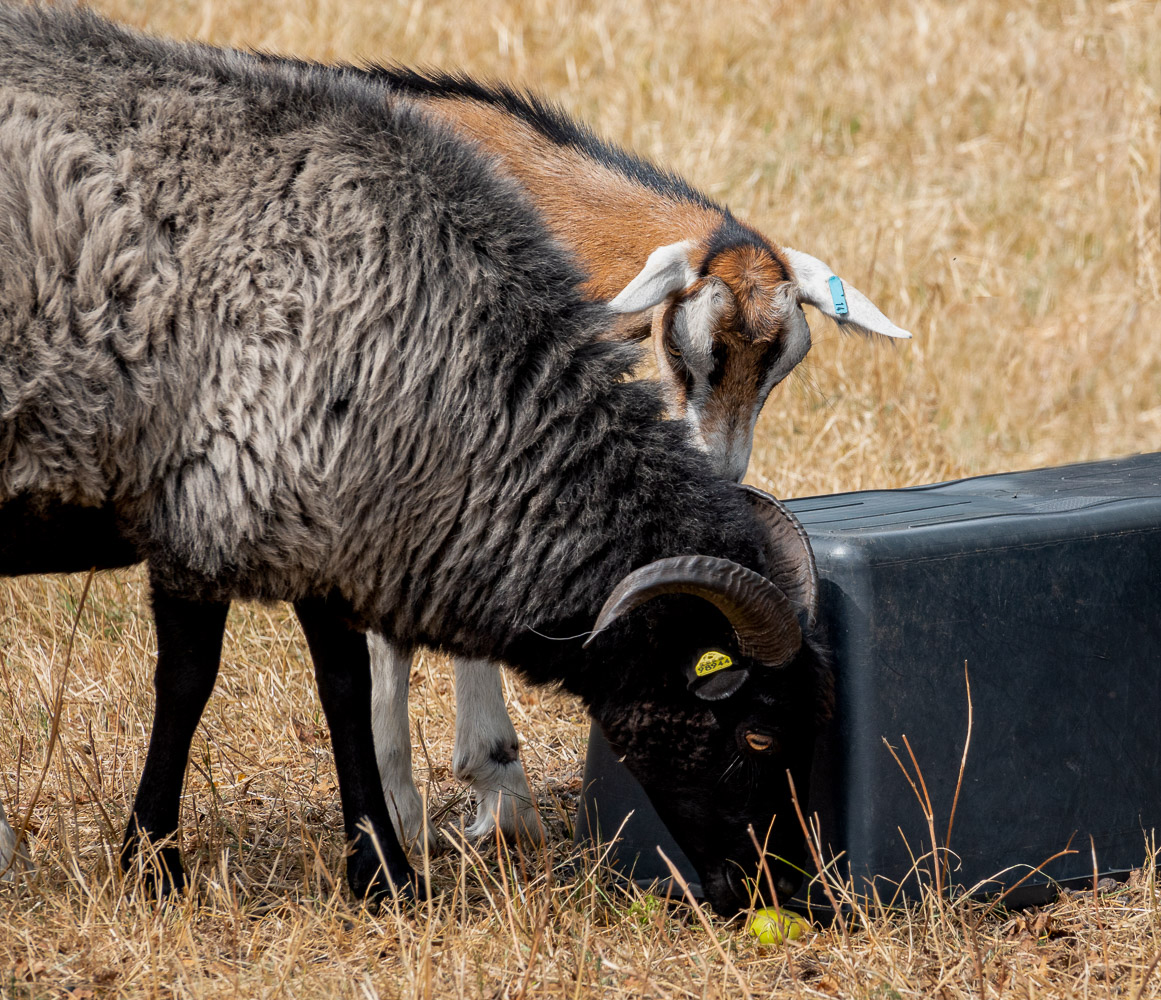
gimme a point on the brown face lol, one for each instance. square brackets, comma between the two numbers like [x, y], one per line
[722, 344]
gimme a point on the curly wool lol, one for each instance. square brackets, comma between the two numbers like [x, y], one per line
[302, 340]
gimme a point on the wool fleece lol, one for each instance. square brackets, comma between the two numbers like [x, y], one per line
[300, 340]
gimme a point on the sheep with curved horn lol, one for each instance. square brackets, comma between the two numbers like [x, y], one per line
[722, 306]
[268, 329]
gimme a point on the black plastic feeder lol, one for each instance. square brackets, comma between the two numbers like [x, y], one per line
[1047, 584]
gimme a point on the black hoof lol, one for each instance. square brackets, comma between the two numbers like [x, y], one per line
[372, 883]
[159, 869]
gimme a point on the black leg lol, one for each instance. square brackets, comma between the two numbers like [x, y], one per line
[189, 648]
[343, 670]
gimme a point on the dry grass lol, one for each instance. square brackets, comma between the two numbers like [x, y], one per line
[987, 171]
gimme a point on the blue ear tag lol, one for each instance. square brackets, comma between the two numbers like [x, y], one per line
[838, 296]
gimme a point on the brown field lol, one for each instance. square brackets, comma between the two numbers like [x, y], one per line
[986, 170]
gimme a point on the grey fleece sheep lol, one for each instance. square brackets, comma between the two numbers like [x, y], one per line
[296, 343]
[721, 304]
[208, 269]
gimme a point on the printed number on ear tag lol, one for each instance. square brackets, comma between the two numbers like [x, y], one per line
[711, 663]
[838, 295]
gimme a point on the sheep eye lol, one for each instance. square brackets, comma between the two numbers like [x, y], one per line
[759, 742]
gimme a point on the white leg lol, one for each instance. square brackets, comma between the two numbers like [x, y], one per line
[487, 754]
[13, 863]
[390, 679]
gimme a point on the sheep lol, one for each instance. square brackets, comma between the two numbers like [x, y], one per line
[721, 304]
[284, 338]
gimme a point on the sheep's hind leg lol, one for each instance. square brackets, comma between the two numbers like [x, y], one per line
[390, 680]
[189, 648]
[377, 864]
[487, 755]
[40, 535]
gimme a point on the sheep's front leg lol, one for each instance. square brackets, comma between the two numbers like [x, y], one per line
[377, 864]
[390, 682]
[189, 648]
[487, 754]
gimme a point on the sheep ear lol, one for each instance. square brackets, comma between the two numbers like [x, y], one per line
[715, 675]
[666, 271]
[720, 686]
[845, 304]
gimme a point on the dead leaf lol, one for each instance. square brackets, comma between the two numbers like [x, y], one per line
[828, 984]
[1032, 926]
[28, 971]
[307, 732]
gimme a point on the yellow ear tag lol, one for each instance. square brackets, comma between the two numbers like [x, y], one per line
[711, 663]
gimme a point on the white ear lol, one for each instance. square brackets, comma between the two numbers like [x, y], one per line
[845, 304]
[666, 271]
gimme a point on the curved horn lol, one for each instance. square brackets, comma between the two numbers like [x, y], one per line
[763, 620]
[788, 549]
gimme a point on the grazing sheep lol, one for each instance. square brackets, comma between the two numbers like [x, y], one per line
[283, 338]
[722, 306]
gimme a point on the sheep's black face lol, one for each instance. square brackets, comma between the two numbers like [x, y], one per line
[705, 677]
[716, 769]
